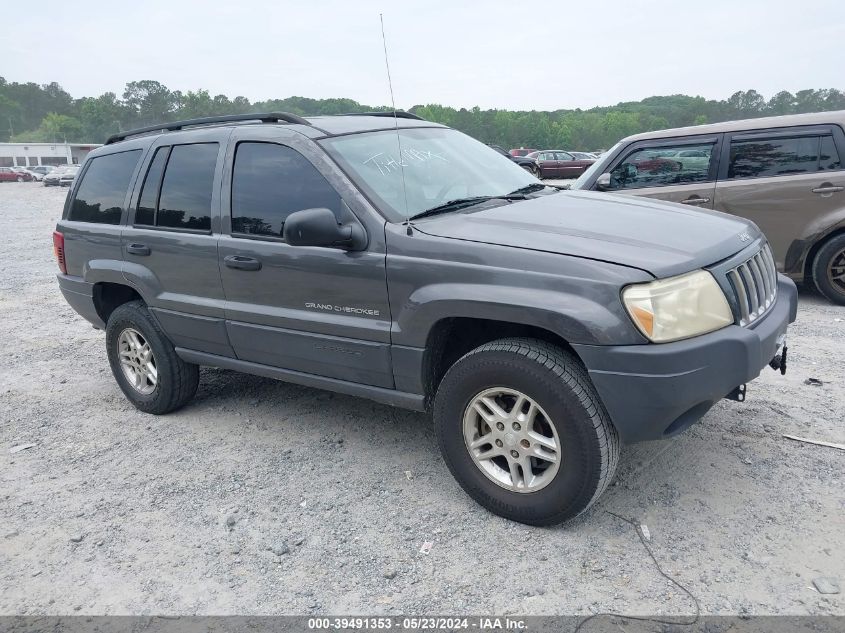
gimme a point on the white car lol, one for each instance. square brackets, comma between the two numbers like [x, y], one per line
[36, 176]
[41, 170]
[61, 176]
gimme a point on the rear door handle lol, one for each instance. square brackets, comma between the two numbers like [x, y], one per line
[695, 200]
[827, 189]
[242, 263]
[138, 249]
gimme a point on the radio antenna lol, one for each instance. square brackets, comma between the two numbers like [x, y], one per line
[396, 127]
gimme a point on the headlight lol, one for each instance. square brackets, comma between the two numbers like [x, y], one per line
[679, 307]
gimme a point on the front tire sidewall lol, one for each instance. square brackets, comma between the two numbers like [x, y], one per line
[821, 265]
[573, 487]
[137, 317]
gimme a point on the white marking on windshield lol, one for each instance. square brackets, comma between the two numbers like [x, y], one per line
[387, 164]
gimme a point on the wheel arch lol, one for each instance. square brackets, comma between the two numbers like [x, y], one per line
[450, 338]
[109, 295]
[810, 259]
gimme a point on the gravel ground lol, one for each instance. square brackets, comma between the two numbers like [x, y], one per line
[265, 498]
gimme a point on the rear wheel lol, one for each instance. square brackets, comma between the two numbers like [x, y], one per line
[523, 431]
[829, 269]
[144, 362]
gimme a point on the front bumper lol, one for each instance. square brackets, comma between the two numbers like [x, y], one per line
[658, 390]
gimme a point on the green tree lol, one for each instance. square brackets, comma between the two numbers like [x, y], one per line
[55, 128]
[150, 102]
[25, 106]
[101, 116]
[782, 103]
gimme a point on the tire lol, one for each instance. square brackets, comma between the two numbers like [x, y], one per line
[19, 179]
[176, 381]
[537, 173]
[829, 269]
[570, 410]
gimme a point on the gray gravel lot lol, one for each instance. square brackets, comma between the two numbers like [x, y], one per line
[264, 498]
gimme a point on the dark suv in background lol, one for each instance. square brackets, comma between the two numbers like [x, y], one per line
[400, 260]
[784, 173]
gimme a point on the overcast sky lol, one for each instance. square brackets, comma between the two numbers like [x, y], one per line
[509, 54]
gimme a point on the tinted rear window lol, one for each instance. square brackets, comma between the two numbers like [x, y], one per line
[828, 156]
[185, 199]
[145, 214]
[101, 193]
[760, 158]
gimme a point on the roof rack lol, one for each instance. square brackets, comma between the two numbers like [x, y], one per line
[265, 117]
[399, 114]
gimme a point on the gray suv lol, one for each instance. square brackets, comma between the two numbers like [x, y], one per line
[402, 261]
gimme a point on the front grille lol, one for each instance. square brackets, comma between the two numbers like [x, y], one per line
[755, 284]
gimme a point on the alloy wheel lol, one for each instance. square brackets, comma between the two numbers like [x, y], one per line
[836, 270]
[137, 361]
[511, 440]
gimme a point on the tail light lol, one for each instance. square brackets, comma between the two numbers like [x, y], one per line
[59, 251]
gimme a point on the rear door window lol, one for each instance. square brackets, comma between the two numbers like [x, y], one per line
[102, 192]
[828, 156]
[145, 214]
[177, 189]
[762, 157]
[664, 165]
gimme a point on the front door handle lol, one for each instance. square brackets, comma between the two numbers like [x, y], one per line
[242, 263]
[695, 200]
[827, 189]
[138, 249]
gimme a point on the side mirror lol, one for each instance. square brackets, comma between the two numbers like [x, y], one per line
[603, 181]
[319, 227]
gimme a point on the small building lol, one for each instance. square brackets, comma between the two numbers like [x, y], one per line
[32, 154]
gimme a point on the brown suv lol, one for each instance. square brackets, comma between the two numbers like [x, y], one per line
[784, 173]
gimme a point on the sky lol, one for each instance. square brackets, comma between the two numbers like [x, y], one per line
[493, 54]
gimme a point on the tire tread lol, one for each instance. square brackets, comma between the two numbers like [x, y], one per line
[571, 372]
[819, 269]
[184, 375]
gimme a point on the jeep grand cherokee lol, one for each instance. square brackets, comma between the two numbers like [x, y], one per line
[402, 261]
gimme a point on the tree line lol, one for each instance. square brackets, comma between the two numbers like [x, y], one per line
[31, 112]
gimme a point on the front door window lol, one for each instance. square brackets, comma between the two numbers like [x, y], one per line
[662, 166]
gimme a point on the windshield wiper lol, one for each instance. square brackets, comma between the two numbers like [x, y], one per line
[453, 205]
[535, 186]
[461, 203]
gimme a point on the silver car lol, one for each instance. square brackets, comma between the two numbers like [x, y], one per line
[62, 176]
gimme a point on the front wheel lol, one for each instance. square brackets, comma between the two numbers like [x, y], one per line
[829, 269]
[524, 432]
[144, 362]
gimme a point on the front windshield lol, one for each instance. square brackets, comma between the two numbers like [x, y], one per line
[597, 166]
[439, 165]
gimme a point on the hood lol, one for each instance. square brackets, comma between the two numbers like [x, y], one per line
[662, 238]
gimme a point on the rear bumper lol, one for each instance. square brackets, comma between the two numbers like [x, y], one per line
[655, 391]
[80, 295]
